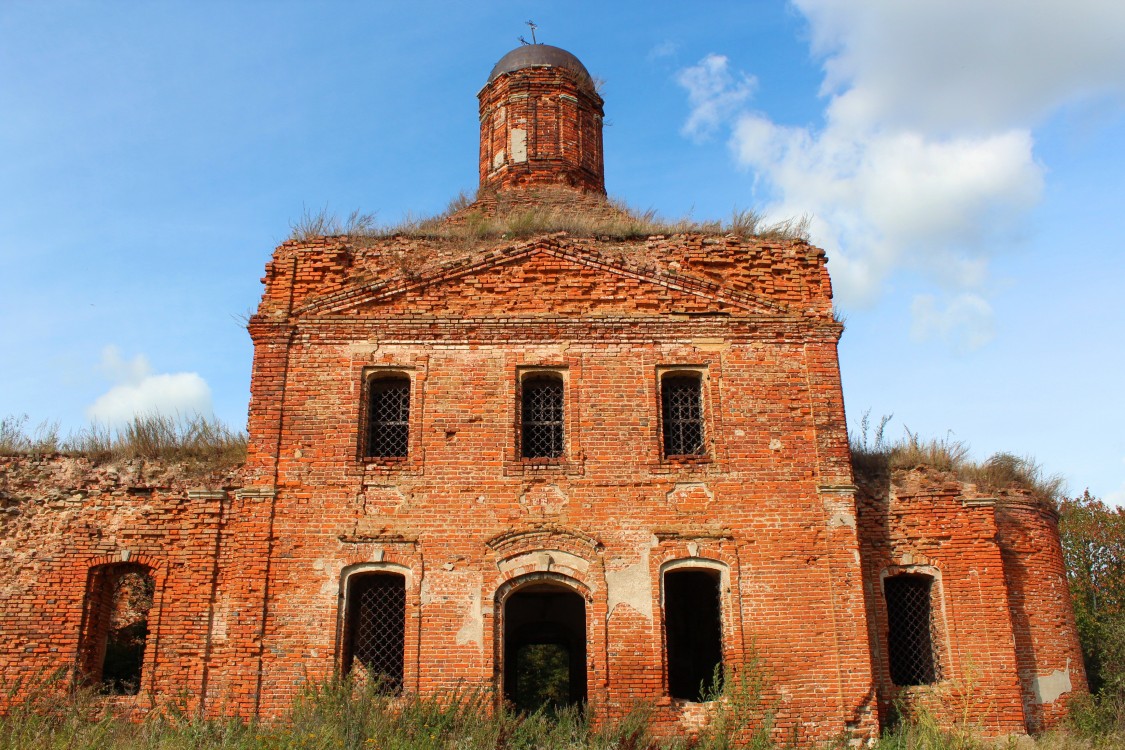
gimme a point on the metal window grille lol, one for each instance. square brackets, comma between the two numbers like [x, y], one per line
[910, 637]
[682, 402]
[542, 412]
[377, 628]
[388, 417]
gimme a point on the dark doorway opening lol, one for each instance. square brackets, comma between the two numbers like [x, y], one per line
[544, 647]
[118, 600]
[693, 628]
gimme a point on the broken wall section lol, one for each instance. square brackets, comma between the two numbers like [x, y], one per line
[1048, 653]
[1000, 634]
[71, 534]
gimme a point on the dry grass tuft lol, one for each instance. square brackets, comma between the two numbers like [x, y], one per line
[460, 221]
[324, 223]
[15, 439]
[874, 457]
[202, 441]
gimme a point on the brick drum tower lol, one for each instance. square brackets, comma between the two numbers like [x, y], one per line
[541, 123]
[534, 438]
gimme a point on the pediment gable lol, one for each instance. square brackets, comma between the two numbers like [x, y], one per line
[542, 277]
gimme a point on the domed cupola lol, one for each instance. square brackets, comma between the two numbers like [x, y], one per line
[541, 123]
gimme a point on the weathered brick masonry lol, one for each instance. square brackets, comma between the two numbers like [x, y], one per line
[409, 508]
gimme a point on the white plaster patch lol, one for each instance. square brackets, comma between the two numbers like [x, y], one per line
[544, 561]
[842, 518]
[1048, 688]
[330, 585]
[498, 159]
[543, 498]
[219, 623]
[689, 497]
[380, 500]
[472, 625]
[631, 586]
[361, 349]
[519, 145]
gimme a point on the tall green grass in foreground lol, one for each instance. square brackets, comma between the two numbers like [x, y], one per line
[341, 715]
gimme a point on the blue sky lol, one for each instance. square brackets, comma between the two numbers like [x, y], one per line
[961, 162]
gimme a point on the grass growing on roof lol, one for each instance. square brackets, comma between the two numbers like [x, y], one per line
[617, 221]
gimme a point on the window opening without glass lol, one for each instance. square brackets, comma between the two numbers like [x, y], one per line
[119, 598]
[388, 417]
[910, 636]
[682, 415]
[542, 416]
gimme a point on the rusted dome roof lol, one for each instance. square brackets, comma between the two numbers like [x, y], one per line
[533, 55]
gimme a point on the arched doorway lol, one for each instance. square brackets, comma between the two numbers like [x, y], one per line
[544, 646]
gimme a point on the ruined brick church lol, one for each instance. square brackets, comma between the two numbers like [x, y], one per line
[619, 460]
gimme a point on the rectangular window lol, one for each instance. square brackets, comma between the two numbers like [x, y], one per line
[693, 631]
[681, 414]
[375, 634]
[910, 628]
[388, 417]
[541, 416]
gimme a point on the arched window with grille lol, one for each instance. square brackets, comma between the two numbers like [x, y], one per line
[119, 597]
[375, 627]
[681, 414]
[911, 631]
[541, 415]
[388, 417]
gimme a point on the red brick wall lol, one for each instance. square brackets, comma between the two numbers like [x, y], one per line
[1048, 655]
[250, 581]
[541, 126]
[251, 571]
[64, 517]
[1000, 598]
[466, 518]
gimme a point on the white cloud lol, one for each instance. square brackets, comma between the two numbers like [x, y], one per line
[714, 93]
[885, 200]
[664, 49]
[965, 321]
[139, 391]
[925, 159]
[966, 64]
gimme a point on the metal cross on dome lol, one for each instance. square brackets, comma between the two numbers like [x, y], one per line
[531, 25]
